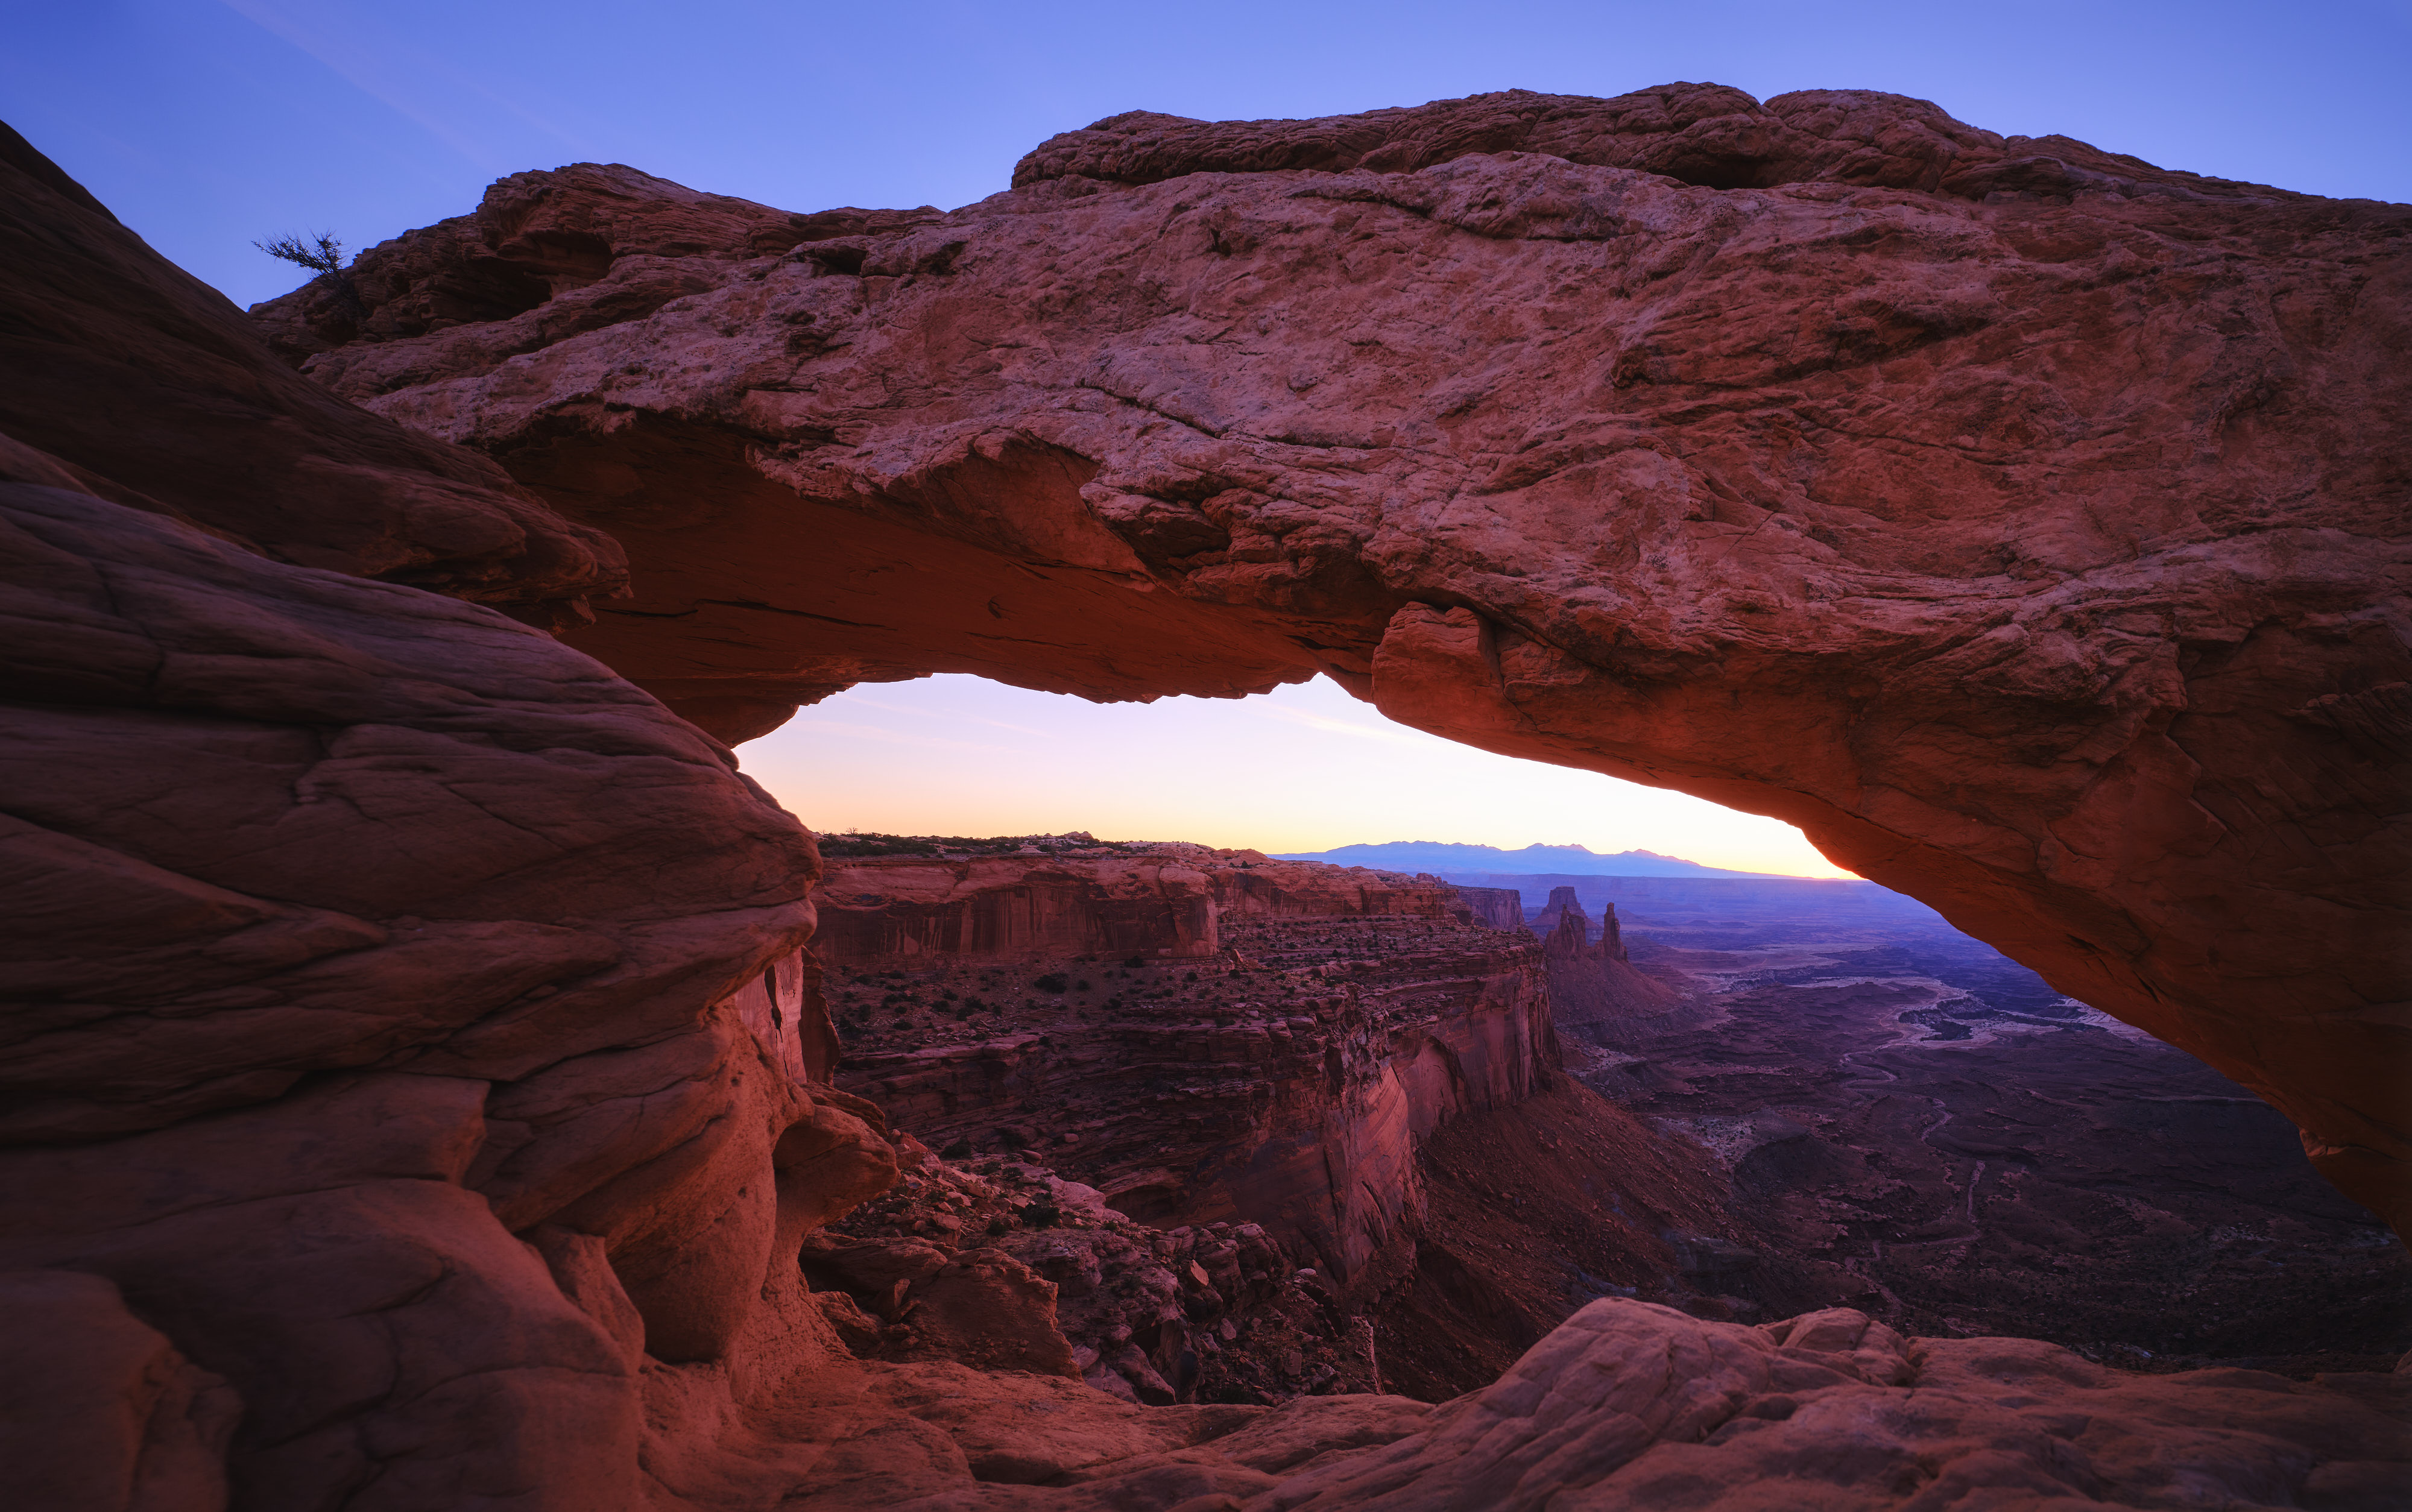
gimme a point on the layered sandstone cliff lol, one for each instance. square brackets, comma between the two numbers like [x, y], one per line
[1362, 1102]
[1164, 900]
[1500, 908]
[1267, 1066]
[503, 1126]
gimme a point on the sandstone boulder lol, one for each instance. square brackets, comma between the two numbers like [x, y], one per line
[371, 1034]
[97, 1409]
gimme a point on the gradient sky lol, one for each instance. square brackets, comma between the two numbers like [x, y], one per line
[207, 123]
[1305, 767]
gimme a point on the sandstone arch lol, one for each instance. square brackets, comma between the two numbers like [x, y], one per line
[402, 1095]
[2007, 514]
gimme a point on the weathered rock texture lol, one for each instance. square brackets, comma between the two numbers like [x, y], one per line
[1368, 1092]
[545, 243]
[1500, 908]
[2015, 518]
[1630, 1405]
[1002, 909]
[381, 981]
[1204, 1313]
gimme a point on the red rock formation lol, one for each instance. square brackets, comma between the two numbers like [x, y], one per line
[1250, 885]
[1287, 1093]
[1635, 1405]
[1202, 1313]
[1698, 134]
[2002, 512]
[1498, 908]
[1596, 996]
[391, 1120]
[544, 243]
[1563, 915]
[876, 908]
[1284, 1082]
[371, 1021]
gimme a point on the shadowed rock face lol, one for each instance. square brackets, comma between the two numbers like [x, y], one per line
[143, 384]
[2005, 513]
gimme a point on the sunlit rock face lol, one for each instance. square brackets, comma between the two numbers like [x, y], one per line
[2007, 514]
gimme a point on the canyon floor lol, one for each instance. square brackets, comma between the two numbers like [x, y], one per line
[1922, 1128]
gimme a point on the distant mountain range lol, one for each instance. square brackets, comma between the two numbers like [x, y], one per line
[1579, 860]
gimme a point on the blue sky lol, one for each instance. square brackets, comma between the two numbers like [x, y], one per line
[207, 123]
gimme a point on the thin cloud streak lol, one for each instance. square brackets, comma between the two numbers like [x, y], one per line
[370, 69]
[876, 732]
[856, 702]
[1324, 724]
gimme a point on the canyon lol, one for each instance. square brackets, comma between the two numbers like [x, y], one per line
[1915, 1126]
[1293, 1074]
[423, 1087]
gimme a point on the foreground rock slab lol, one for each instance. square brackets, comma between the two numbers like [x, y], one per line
[1633, 1406]
[1629, 1406]
[2006, 513]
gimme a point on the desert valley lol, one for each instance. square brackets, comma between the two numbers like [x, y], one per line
[1745, 1098]
[437, 1075]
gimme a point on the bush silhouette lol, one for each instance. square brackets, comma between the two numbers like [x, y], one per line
[324, 256]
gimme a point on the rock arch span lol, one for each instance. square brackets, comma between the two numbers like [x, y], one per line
[2008, 515]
